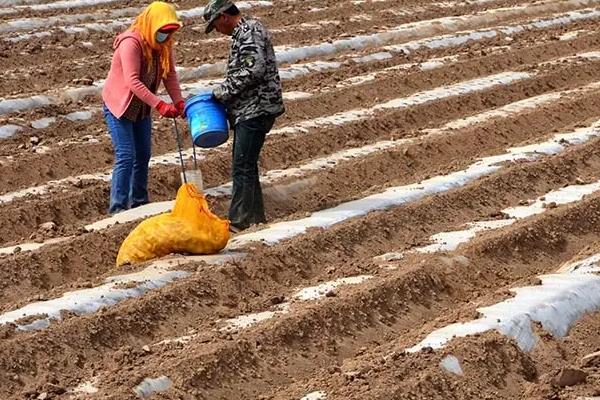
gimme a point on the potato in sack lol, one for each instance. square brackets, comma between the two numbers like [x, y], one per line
[189, 228]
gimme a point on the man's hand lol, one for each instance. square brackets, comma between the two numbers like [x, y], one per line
[167, 110]
[216, 94]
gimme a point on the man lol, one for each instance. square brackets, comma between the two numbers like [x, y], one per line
[252, 94]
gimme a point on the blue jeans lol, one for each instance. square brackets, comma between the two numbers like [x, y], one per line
[132, 147]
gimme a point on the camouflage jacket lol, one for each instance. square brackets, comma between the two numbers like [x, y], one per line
[252, 86]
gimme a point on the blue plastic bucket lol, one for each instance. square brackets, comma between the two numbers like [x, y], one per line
[207, 119]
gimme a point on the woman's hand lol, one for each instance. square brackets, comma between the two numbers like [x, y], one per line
[167, 110]
[180, 106]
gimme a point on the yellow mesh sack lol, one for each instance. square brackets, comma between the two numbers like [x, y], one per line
[189, 228]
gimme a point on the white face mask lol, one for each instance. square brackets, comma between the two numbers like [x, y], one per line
[161, 37]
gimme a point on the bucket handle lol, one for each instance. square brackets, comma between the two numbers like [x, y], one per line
[181, 153]
[179, 148]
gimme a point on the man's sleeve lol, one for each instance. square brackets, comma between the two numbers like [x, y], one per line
[252, 66]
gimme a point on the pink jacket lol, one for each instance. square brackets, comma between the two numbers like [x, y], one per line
[123, 81]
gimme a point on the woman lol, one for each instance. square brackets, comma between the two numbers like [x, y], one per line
[142, 58]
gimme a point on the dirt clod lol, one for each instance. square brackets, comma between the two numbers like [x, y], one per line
[570, 376]
[48, 226]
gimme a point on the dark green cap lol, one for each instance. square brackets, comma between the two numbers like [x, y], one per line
[213, 9]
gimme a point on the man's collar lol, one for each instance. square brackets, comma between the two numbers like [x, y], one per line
[237, 27]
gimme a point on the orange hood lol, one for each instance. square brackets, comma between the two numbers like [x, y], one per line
[157, 15]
